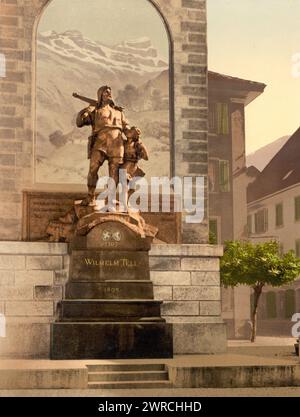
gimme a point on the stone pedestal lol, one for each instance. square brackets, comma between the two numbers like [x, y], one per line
[109, 309]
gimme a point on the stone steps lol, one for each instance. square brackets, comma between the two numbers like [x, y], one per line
[203, 371]
[130, 385]
[126, 367]
[128, 376]
[117, 376]
[124, 319]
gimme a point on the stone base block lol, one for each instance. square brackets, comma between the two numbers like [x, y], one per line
[107, 310]
[48, 378]
[111, 340]
[110, 290]
[199, 338]
[26, 340]
[235, 376]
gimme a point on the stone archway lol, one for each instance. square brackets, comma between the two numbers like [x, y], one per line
[73, 55]
[186, 20]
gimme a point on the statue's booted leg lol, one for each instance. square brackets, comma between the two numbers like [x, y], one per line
[96, 161]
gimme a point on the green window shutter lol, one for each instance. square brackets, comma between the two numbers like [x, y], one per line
[224, 177]
[256, 223]
[271, 305]
[212, 122]
[213, 232]
[279, 214]
[265, 216]
[297, 208]
[297, 248]
[289, 303]
[222, 118]
[261, 221]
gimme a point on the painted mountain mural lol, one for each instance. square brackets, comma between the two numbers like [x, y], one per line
[68, 62]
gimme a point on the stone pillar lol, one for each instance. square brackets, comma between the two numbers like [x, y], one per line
[191, 103]
[16, 138]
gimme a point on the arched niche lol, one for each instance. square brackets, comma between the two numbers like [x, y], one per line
[78, 56]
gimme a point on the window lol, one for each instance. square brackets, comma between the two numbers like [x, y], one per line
[290, 307]
[249, 224]
[213, 231]
[279, 215]
[212, 118]
[222, 119]
[297, 247]
[224, 178]
[261, 221]
[271, 305]
[297, 208]
[218, 118]
[212, 176]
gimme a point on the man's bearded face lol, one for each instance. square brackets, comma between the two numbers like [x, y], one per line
[106, 95]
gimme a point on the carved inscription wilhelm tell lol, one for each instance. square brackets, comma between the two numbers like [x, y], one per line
[111, 263]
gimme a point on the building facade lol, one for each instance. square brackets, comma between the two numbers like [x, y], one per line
[227, 97]
[274, 214]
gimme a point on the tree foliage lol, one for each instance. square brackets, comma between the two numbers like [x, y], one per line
[252, 264]
[257, 265]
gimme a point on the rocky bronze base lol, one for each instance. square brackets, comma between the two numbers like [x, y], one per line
[111, 340]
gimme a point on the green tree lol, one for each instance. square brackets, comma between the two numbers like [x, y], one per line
[257, 265]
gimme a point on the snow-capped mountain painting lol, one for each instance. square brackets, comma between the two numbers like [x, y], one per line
[69, 62]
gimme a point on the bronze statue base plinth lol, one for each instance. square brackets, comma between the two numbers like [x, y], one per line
[109, 309]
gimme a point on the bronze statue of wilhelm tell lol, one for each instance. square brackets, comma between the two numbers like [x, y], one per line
[107, 141]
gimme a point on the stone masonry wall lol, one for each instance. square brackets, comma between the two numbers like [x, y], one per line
[185, 277]
[32, 276]
[186, 20]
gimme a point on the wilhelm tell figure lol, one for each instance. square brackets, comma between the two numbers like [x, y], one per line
[107, 142]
